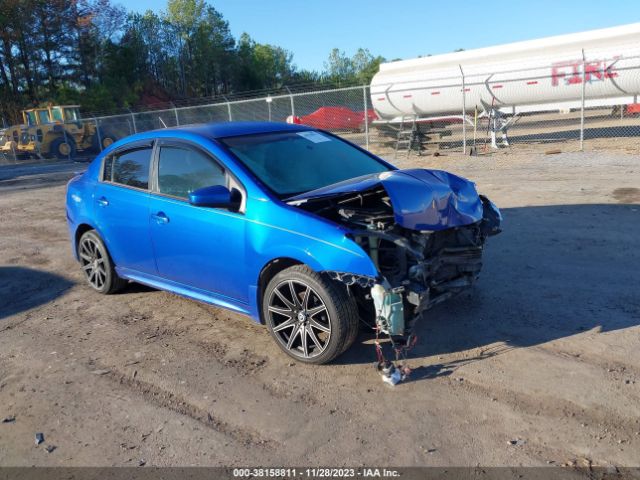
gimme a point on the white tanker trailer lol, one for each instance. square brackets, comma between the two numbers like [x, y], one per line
[508, 78]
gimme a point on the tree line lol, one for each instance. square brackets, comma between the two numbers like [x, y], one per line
[97, 54]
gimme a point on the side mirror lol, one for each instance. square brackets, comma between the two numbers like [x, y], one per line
[217, 196]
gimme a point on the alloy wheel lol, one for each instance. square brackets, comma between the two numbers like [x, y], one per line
[92, 260]
[299, 319]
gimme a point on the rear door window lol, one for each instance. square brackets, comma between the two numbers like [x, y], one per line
[130, 167]
[181, 170]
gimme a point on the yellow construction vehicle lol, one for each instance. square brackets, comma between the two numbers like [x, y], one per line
[58, 131]
[9, 140]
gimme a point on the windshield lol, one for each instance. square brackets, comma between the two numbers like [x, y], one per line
[44, 117]
[291, 163]
[31, 118]
[57, 113]
[71, 115]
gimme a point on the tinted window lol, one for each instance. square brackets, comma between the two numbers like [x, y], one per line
[296, 162]
[182, 170]
[129, 168]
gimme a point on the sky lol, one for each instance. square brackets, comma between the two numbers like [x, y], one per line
[407, 28]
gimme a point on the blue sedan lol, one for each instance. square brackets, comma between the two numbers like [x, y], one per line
[295, 227]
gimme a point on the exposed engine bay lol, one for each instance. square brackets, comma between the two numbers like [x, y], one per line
[419, 267]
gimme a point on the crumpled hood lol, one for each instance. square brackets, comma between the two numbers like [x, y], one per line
[422, 199]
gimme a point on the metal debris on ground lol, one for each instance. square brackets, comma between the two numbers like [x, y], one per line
[9, 419]
[390, 374]
[50, 448]
[39, 438]
[518, 442]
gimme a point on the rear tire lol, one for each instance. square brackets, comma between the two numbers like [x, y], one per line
[312, 318]
[63, 149]
[97, 266]
[106, 138]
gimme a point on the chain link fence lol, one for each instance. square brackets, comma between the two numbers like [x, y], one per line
[589, 119]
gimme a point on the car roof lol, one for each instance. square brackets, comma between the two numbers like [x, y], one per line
[233, 129]
[210, 131]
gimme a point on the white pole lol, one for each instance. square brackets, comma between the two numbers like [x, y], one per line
[584, 84]
[464, 113]
[175, 112]
[366, 116]
[133, 119]
[293, 109]
[228, 108]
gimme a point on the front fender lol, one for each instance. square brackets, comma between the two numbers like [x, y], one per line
[317, 243]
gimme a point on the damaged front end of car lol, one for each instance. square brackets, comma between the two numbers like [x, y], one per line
[424, 230]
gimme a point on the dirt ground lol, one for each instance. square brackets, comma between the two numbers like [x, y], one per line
[538, 365]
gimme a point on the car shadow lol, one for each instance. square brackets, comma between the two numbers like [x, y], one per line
[554, 272]
[134, 287]
[23, 288]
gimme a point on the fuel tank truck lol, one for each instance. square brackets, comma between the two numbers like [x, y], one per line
[508, 78]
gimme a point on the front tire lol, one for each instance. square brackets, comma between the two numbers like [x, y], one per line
[97, 266]
[310, 317]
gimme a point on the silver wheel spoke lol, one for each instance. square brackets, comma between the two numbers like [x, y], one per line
[303, 337]
[286, 324]
[282, 311]
[294, 297]
[319, 326]
[314, 338]
[284, 299]
[292, 337]
[305, 298]
[314, 311]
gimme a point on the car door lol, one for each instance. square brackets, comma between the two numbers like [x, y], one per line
[122, 207]
[200, 247]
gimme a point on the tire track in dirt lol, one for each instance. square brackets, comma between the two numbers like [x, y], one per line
[166, 399]
[599, 420]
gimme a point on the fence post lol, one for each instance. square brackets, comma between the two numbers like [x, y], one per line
[228, 108]
[464, 113]
[175, 112]
[293, 108]
[269, 100]
[133, 120]
[366, 116]
[584, 85]
[98, 133]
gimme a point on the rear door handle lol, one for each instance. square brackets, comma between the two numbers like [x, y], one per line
[103, 202]
[160, 218]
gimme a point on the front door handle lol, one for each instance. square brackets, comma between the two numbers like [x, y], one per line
[160, 218]
[102, 201]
